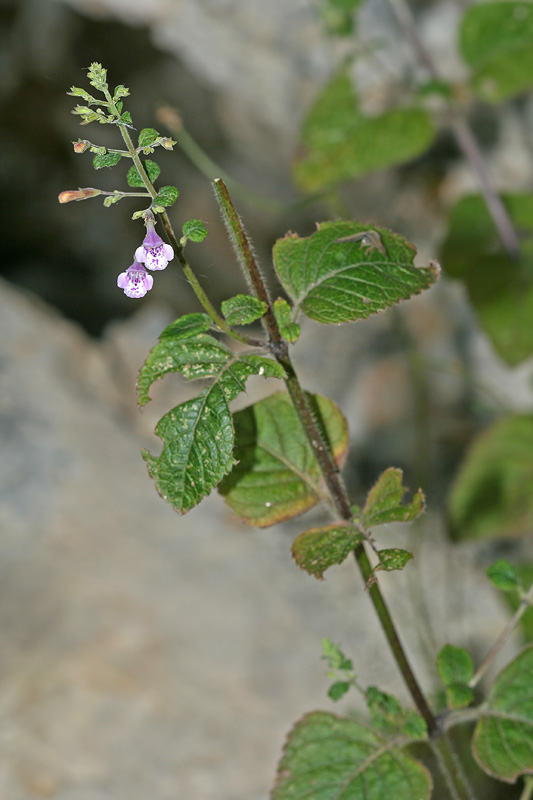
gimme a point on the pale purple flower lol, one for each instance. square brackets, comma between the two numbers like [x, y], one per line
[154, 253]
[135, 281]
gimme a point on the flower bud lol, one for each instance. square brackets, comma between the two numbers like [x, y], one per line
[81, 145]
[78, 194]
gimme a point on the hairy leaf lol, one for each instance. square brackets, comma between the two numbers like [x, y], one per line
[106, 160]
[133, 177]
[339, 143]
[277, 476]
[327, 757]
[492, 495]
[456, 668]
[243, 309]
[496, 41]
[383, 503]
[166, 196]
[319, 548]
[499, 288]
[503, 739]
[504, 575]
[283, 313]
[393, 558]
[195, 230]
[147, 136]
[336, 281]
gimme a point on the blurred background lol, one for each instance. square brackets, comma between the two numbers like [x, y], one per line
[145, 654]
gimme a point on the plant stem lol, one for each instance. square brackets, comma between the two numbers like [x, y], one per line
[526, 602]
[320, 447]
[451, 769]
[463, 135]
[527, 793]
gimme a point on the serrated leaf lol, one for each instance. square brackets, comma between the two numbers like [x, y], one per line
[454, 665]
[504, 575]
[327, 757]
[133, 177]
[202, 356]
[186, 326]
[195, 230]
[197, 449]
[339, 143]
[147, 136]
[383, 503]
[389, 716]
[393, 558]
[106, 160]
[496, 41]
[277, 477]
[283, 314]
[125, 119]
[319, 548]
[499, 288]
[243, 309]
[166, 196]
[333, 281]
[503, 739]
[492, 495]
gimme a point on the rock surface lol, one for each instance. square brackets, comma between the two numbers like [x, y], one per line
[148, 655]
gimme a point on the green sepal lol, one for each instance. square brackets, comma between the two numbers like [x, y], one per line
[383, 503]
[243, 309]
[111, 199]
[283, 314]
[504, 575]
[318, 549]
[166, 196]
[152, 170]
[120, 91]
[106, 160]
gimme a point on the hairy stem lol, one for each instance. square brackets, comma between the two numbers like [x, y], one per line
[463, 135]
[451, 769]
[320, 447]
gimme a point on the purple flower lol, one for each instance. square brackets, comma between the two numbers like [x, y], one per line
[135, 281]
[154, 253]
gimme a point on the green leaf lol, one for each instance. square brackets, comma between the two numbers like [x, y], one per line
[125, 119]
[243, 309]
[334, 656]
[338, 689]
[277, 477]
[504, 575]
[319, 548]
[496, 41]
[459, 695]
[503, 739]
[328, 757]
[195, 230]
[106, 160]
[147, 136]
[202, 356]
[197, 449]
[454, 665]
[283, 313]
[166, 196]
[333, 281]
[383, 503]
[393, 558]
[499, 288]
[339, 143]
[338, 16]
[187, 326]
[389, 717]
[152, 170]
[492, 495]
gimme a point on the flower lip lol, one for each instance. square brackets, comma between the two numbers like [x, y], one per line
[153, 252]
[135, 281]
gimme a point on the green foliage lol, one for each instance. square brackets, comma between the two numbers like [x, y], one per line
[504, 575]
[283, 313]
[243, 309]
[384, 505]
[318, 549]
[499, 288]
[166, 196]
[456, 669]
[106, 160]
[525, 576]
[496, 41]
[327, 757]
[195, 230]
[340, 143]
[147, 137]
[334, 656]
[152, 170]
[197, 435]
[340, 668]
[492, 495]
[333, 281]
[338, 16]
[393, 558]
[503, 739]
[277, 477]
[390, 718]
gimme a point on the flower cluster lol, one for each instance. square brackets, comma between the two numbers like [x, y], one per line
[153, 254]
